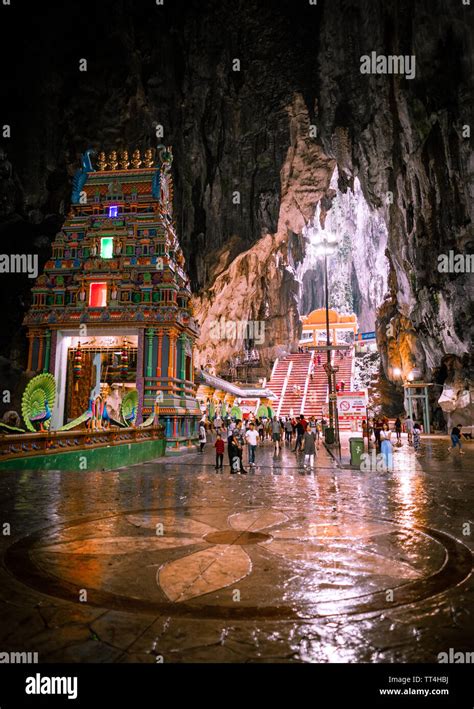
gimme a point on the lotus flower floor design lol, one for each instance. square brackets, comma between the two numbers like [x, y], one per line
[223, 560]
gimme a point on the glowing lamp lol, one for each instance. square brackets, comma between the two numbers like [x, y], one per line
[98, 295]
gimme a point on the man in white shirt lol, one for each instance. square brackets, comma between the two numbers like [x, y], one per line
[251, 437]
[276, 435]
[218, 424]
[409, 429]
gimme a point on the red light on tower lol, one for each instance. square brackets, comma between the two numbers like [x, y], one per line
[98, 295]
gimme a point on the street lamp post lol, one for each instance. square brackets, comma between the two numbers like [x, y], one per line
[328, 338]
[326, 244]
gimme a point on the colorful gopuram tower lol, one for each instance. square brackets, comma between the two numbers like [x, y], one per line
[111, 311]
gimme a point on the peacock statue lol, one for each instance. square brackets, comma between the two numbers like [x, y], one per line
[154, 414]
[129, 408]
[38, 401]
[83, 418]
[105, 416]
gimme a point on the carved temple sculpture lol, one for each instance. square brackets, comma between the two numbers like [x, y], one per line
[111, 310]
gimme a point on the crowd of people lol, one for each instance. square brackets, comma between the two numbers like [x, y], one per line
[299, 434]
[379, 428]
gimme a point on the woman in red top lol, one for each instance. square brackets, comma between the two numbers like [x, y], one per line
[219, 445]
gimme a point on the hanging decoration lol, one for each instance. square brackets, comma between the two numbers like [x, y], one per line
[77, 365]
[123, 367]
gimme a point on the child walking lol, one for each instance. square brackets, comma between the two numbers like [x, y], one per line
[219, 445]
[309, 440]
[202, 436]
[417, 438]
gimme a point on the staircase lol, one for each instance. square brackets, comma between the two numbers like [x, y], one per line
[317, 388]
[277, 381]
[303, 392]
[292, 396]
[345, 370]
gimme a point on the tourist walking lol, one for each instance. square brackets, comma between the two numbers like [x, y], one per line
[219, 445]
[386, 447]
[230, 450]
[409, 430]
[456, 439]
[235, 455]
[239, 435]
[218, 424]
[398, 429]
[233, 451]
[309, 441]
[251, 437]
[202, 436]
[318, 432]
[261, 431]
[417, 437]
[377, 428]
[269, 429]
[300, 431]
[288, 431]
[276, 435]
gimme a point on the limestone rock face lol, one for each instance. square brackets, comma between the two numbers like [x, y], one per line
[405, 141]
[260, 284]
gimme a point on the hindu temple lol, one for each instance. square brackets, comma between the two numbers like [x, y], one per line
[111, 312]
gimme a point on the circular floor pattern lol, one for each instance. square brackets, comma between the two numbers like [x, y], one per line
[284, 565]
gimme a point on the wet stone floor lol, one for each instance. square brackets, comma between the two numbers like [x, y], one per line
[173, 562]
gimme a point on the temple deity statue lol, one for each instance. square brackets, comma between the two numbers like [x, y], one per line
[148, 160]
[124, 161]
[136, 160]
[102, 161]
[113, 162]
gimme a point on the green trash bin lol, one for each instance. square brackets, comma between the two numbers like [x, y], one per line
[357, 449]
[329, 434]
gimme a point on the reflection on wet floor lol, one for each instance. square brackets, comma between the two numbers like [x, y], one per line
[277, 561]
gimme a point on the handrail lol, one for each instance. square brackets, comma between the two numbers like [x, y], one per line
[283, 389]
[275, 364]
[306, 384]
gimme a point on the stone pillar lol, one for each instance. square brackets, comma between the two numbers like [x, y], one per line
[52, 356]
[182, 364]
[170, 353]
[149, 361]
[182, 374]
[47, 351]
[30, 351]
[140, 371]
[40, 352]
[159, 353]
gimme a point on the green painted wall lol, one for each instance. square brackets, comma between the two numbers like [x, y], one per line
[105, 458]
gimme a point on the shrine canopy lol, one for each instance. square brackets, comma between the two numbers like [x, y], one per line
[314, 327]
